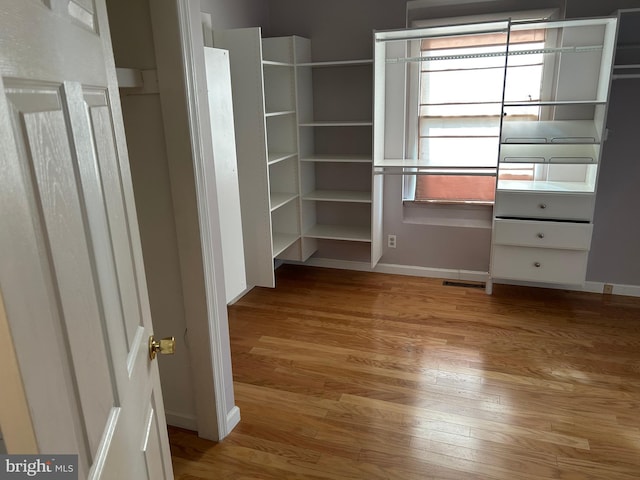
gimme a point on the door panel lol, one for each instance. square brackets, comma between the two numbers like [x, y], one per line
[71, 273]
[60, 208]
[119, 232]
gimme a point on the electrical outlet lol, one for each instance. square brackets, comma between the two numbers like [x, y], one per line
[391, 241]
[607, 289]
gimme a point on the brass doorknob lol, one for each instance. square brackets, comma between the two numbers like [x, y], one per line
[166, 346]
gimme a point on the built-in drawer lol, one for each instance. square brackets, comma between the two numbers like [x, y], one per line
[542, 234]
[552, 206]
[547, 265]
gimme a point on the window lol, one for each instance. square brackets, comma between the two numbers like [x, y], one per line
[460, 109]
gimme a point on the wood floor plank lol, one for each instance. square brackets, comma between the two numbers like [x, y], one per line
[355, 375]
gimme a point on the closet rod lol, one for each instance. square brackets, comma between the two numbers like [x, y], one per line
[625, 77]
[477, 172]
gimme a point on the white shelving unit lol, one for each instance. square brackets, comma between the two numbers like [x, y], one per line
[544, 146]
[549, 156]
[263, 81]
[335, 185]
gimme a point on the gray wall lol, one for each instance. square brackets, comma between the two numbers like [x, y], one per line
[615, 257]
[341, 29]
[338, 29]
[236, 13]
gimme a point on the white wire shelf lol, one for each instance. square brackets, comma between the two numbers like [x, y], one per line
[534, 51]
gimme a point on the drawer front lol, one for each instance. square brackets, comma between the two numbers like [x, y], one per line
[539, 264]
[542, 234]
[558, 206]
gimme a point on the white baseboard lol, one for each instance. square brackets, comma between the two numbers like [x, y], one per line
[627, 290]
[590, 287]
[465, 275]
[180, 420]
[414, 271]
[190, 423]
[240, 295]
[233, 418]
[444, 273]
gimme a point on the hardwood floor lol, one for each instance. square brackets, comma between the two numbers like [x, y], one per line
[349, 375]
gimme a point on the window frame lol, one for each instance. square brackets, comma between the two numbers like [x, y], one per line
[413, 90]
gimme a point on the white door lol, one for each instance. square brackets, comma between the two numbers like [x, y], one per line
[71, 270]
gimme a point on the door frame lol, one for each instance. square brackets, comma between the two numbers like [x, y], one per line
[179, 41]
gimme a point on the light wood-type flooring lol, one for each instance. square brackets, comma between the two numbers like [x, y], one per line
[350, 375]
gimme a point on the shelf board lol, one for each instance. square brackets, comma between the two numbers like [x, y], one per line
[337, 158]
[340, 232]
[449, 153]
[336, 63]
[554, 132]
[338, 196]
[543, 186]
[272, 63]
[282, 241]
[626, 71]
[278, 199]
[338, 123]
[279, 113]
[276, 157]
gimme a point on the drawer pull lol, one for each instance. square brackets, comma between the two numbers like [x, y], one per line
[541, 235]
[543, 206]
[537, 264]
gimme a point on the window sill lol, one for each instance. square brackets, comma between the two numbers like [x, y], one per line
[448, 214]
[451, 202]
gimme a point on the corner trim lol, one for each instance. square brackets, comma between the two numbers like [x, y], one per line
[233, 418]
